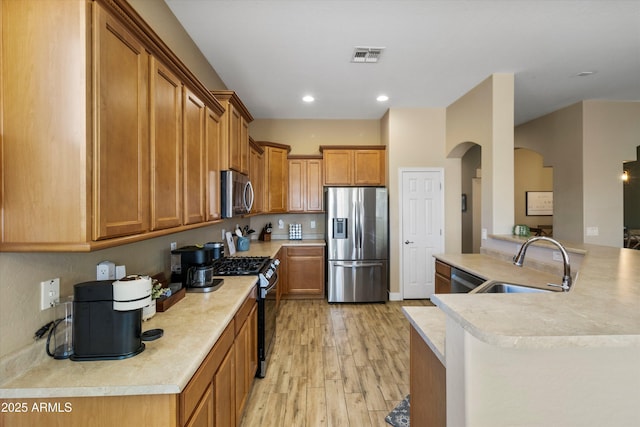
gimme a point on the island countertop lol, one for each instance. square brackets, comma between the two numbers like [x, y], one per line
[601, 309]
[191, 328]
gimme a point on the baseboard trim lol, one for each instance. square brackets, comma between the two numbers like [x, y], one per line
[395, 296]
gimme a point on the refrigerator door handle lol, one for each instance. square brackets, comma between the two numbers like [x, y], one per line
[359, 265]
[358, 217]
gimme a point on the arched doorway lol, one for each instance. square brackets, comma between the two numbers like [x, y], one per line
[471, 176]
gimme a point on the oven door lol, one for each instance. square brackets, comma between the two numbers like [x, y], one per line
[267, 313]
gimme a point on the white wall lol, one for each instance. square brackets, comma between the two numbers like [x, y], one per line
[611, 135]
[415, 137]
[586, 144]
[484, 116]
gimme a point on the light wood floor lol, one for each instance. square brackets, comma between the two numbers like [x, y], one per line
[333, 365]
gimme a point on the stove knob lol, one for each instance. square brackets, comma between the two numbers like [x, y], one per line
[276, 262]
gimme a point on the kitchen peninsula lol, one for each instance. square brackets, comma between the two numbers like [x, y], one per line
[567, 359]
[150, 388]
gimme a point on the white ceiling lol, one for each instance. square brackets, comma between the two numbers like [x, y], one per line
[272, 52]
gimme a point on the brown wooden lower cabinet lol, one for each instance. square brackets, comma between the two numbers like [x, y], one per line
[304, 272]
[158, 410]
[224, 411]
[214, 397]
[428, 386]
[442, 278]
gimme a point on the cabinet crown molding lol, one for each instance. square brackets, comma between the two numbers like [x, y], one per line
[352, 147]
[233, 98]
[274, 144]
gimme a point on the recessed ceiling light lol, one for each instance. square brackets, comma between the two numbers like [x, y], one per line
[308, 98]
[585, 73]
[382, 98]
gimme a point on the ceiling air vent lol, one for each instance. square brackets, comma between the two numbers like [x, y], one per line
[366, 54]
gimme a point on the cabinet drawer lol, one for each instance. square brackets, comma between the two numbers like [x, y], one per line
[203, 377]
[305, 251]
[443, 269]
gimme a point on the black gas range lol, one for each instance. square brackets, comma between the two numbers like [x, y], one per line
[240, 266]
[266, 270]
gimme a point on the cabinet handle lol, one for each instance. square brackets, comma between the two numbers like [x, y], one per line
[406, 242]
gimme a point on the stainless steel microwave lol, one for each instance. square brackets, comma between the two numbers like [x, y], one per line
[237, 194]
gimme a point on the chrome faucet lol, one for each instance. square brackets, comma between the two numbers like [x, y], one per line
[518, 260]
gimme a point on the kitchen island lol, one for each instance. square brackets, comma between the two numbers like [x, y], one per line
[145, 388]
[540, 359]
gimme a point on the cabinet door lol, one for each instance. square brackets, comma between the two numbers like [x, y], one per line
[212, 168]
[166, 147]
[442, 278]
[277, 179]
[314, 190]
[203, 414]
[338, 165]
[427, 384]
[256, 175]
[235, 135]
[252, 348]
[297, 185]
[368, 167]
[305, 272]
[224, 407]
[121, 168]
[193, 159]
[243, 146]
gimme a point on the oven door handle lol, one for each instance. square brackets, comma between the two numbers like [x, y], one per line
[265, 291]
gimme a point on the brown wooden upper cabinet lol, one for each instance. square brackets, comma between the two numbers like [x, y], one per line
[305, 184]
[234, 132]
[212, 167]
[354, 165]
[276, 176]
[119, 152]
[166, 147]
[256, 175]
[121, 147]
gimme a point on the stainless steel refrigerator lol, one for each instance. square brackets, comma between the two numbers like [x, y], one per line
[357, 235]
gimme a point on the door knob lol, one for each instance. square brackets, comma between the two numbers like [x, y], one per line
[406, 242]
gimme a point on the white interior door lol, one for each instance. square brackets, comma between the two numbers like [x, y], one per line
[421, 230]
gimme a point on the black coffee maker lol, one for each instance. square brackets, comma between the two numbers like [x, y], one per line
[107, 319]
[196, 269]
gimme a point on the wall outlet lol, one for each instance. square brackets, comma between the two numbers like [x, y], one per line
[49, 293]
[173, 246]
[484, 234]
[223, 235]
[557, 256]
[312, 224]
[106, 270]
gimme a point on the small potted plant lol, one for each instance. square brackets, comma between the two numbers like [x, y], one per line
[157, 291]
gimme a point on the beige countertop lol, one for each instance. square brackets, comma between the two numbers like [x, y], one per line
[601, 310]
[191, 328]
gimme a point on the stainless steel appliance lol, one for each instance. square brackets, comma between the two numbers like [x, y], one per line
[236, 194]
[463, 282]
[357, 244]
[107, 318]
[267, 271]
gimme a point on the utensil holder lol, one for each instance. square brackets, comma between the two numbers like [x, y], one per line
[243, 243]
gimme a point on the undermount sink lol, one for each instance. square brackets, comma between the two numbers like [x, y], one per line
[498, 287]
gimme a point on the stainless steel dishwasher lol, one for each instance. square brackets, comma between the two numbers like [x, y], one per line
[463, 282]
